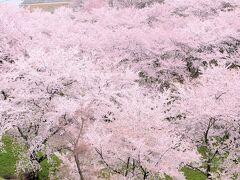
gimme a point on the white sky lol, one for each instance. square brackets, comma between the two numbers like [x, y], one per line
[11, 1]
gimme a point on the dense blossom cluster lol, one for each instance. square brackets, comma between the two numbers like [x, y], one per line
[153, 82]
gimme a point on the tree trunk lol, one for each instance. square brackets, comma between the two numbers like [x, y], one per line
[30, 176]
[208, 170]
[78, 166]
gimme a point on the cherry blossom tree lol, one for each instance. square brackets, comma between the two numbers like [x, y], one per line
[144, 87]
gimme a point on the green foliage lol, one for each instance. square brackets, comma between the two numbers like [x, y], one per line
[235, 176]
[192, 174]
[48, 166]
[158, 176]
[167, 177]
[213, 154]
[105, 173]
[206, 154]
[203, 151]
[9, 155]
[130, 170]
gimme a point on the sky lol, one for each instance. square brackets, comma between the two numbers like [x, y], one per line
[11, 1]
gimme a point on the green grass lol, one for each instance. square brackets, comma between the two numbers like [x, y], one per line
[9, 156]
[48, 166]
[191, 174]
